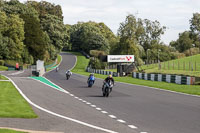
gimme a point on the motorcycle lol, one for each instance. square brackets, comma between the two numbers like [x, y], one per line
[90, 83]
[67, 76]
[107, 88]
[57, 69]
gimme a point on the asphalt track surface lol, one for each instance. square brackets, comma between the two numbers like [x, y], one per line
[148, 109]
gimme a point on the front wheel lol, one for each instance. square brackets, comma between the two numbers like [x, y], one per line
[106, 92]
[67, 77]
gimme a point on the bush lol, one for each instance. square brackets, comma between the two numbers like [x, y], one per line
[191, 51]
[97, 64]
[2, 62]
[178, 55]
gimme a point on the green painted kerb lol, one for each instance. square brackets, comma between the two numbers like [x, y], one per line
[44, 80]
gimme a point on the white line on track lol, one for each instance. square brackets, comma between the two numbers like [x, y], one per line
[132, 126]
[98, 109]
[58, 115]
[104, 112]
[122, 121]
[88, 103]
[94, 106]
[16, 73]
[112, 116]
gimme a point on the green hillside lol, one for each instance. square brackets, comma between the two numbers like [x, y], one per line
[185, 66]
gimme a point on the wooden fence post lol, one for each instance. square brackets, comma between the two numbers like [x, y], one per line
[189, 66]
[168, 65]
[178, 65]
[164, 65]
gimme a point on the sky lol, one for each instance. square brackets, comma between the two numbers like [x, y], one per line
[174, 14]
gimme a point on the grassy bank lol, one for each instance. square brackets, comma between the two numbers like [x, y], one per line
[59, 58]
[184, 66]
[10, 131]
[82, 63]
[12, 104]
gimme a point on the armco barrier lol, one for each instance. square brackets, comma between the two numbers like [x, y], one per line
[166, 78]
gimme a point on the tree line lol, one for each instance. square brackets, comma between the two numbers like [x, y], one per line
[31, 31]
[188, 42]
[135, 36]
[35, 30]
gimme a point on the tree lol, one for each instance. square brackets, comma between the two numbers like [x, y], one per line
[44, 8]
[12, 36]
[51, 21]
[195, 29]
[86, 36]
[184, 42]
[56, 32]
[127, 33]
[152, 33]
[35, 39]
[93, 39]
[106, 32]
[195, 23]
[75, 40]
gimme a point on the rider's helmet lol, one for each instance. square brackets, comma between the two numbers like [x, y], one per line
[91, 74]
[110, 76]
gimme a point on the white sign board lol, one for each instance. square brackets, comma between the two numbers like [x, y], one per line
[40, 65]
[120, 58]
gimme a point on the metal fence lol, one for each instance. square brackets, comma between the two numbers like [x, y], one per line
[178, 65]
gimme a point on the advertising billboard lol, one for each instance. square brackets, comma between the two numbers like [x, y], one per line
[120, 58]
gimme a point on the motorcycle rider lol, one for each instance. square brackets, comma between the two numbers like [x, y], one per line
[68, 74]
[107, 80]
[91, 77]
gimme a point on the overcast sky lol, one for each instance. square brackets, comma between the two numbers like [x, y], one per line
[174, 14]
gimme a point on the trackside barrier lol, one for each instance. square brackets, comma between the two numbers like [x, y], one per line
[115, 74]
[51, 65]
[178, 79]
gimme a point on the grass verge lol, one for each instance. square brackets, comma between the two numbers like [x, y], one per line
[12, 104]
[3, 68]
[82, 63]
[2, 77]
[10, 131]
[58, 62]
